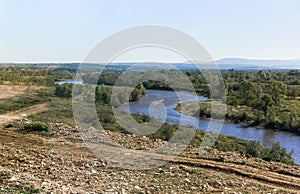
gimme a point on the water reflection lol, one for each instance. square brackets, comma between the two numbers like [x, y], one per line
[169, 99]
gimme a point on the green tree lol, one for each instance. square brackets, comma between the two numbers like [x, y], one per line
[247, 92]
[292, 92]
[103, 94]
[64, 90]
[277, 90]
[266, 103]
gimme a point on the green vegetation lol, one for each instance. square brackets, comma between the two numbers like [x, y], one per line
[25, 100]
[61, 111]
[160, 80]
[275, 153]
[103, 94]
[64, 90]
[9, 125]
[265, 98]
[20, 75]
[36, 127]
[120, 94]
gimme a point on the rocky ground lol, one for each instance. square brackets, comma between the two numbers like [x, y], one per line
[59, 162]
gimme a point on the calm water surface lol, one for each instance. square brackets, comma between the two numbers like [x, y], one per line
[161, 105]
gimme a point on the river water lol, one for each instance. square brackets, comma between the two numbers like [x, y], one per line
[161, 105]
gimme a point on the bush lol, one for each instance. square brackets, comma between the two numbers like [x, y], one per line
[276, 153]
[279, 154]
[64, 90]
[9, 125]
[205, 112]
[253, 149]
[39, 127]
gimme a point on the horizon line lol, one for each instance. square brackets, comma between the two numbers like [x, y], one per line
[70, 62]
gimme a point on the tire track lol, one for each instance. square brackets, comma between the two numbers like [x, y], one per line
[19, 114]
[272, 179]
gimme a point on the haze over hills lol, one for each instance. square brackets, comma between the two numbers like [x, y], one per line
[242, 63]
[294, 63]
[225, 63]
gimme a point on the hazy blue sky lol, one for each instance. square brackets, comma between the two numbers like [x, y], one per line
[66, 30]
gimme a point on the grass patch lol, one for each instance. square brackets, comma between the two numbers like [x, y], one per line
[59, 111]
[36, 127]
[25, 100]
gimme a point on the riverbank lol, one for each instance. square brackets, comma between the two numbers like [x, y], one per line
[242, 115]
[59, 162]
[234, 133]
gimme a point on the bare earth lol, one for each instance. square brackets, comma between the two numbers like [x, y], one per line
[17, 115]
[7, 91]
[59, 162]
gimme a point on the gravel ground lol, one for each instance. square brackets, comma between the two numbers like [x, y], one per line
[59, 162]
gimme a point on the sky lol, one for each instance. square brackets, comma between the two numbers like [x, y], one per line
[67, 30]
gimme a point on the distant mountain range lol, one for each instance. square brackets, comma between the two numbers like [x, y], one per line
[226, 63]
[241, 63]
[264, 63]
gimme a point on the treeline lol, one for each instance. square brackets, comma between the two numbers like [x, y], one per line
[264, 97]
[233, 79]
[167, 79]
[273, 105]
[290, 77]
[163, 79]
[271, 95]
[33, 76]
[104, 95]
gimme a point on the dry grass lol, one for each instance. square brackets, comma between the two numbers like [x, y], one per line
[19, 114]
[10, 91]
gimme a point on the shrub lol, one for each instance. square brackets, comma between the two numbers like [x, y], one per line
[205, 112]
[9, 125]
[279, 154]
[39, 127]
[64, 90]
[253, 148]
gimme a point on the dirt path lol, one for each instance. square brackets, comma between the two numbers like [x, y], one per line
[19, 114]
[11, 90]
[59, 162]
[288, 182]
[57, 159]
[266, 178]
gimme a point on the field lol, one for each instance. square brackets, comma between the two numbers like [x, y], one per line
[11, 90]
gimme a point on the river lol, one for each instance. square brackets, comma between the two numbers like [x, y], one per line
[150, 105]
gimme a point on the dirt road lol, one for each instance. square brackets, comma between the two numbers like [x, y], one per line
[17, 115]
[60, 162]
